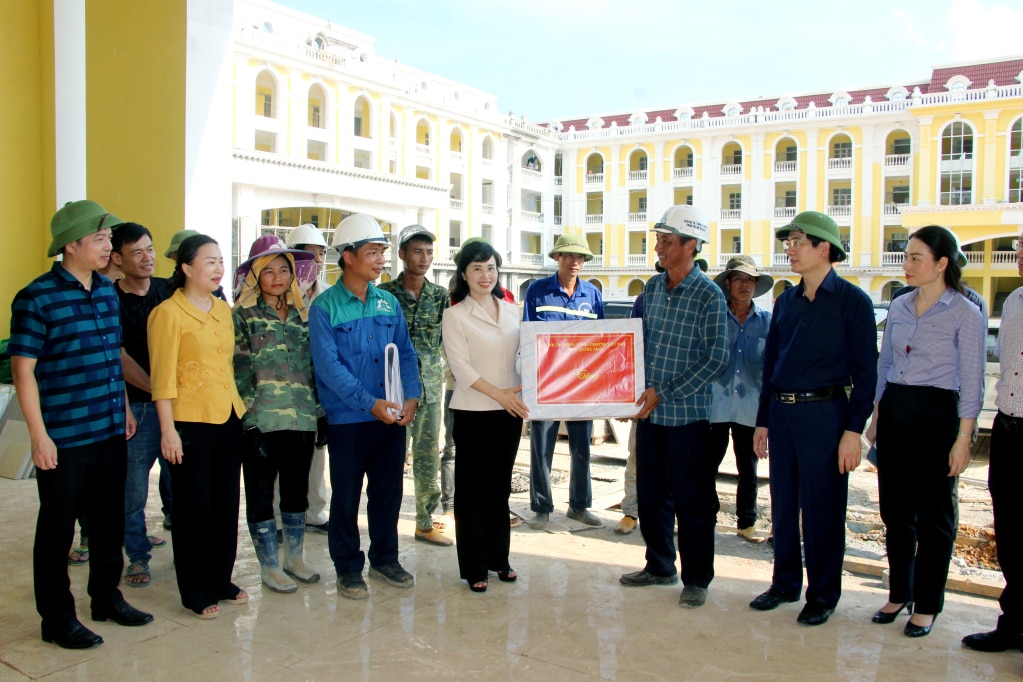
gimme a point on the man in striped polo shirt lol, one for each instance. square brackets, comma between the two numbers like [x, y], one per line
[65, 353]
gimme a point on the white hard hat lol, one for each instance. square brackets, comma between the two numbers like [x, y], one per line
[685, 221]
[356, 229]
[305, 234]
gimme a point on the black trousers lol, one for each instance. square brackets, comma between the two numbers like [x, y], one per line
[916, 428]
[88, 478]
[204, 522]
[675, 483]
[1004, 474]
[486, 443]
[745, 461]
[289, 455]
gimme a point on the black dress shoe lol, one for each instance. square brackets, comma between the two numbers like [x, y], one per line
[71, 635]
[919, 630]
[772, 599]
[994, 641]
[122, 613]
[814, 613]
[643, 578]
[884, 617]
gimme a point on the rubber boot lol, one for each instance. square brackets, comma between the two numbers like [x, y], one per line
[264, 539]
[294, 536]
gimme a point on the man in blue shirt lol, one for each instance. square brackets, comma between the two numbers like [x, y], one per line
[736, 393]
[685, 342]
[350, 326]
[562, 296]
[822, 339]
[65, 353]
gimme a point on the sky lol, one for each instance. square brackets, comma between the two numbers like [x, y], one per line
[559, 59]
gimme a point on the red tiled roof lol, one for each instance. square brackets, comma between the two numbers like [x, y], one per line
[1003, 73]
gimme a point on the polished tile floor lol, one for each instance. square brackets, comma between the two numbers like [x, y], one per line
[566, 619]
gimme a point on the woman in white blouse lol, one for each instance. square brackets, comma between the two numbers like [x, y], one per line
[481, 342]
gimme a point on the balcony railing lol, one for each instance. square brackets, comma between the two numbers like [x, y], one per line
[635, 175]
[1002, 258]
[840, 163]
[531, 216]
[840, 211]
[778, 259]
[731, 169]
[598, 260]
[595, 219]
[488, 209]
[639, 217]
[451, 251]
[731, 214]
[785, 166]
[531, 258]
[635, 259]
[488, 163]
[684, 172]
[892, 258]
[456, 204]
[324, 56]
[424, 150]
[456, 157]
[594, 178]
[784, 211]
[530, 174]
[976, 257]
[723, 258]
[893, 209]
[896, 160]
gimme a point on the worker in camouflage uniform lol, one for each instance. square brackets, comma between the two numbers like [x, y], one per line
[423, 304]
[274, 373]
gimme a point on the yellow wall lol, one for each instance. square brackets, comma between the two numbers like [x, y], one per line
[28, 191]
[135, 71]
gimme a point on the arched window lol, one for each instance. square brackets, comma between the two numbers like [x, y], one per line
[957, 164]
[594, 164]
[780, 286]
[456, 140]
[635, 287]
[531, 161]
[266, 95]
[1016, 162]
[638, 160]
[683, 156]
[889, 289]
[362, 123]
[488, 148]
[786, 155]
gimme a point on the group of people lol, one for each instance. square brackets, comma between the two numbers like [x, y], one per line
[258, 389]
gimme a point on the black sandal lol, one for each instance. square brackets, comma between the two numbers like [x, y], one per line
[507, 576]
[478, 586]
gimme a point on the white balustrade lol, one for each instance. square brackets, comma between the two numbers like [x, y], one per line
[639, 217]
[723, 258]
[896, 160]
[1002, 258]
[531, 216]
[681, 173]
[974, 257]
[598, 260]
[423, 150]
[488, 163]
[842, 163]
[531, 258]
[635, 259]
[594, 178]
[456, 157]
[840, 211]
[595, 219]
[731, 214]
[488, 209]
[784, 211]
[779, 259]
[785, 166]
[637, 175]
[892, 258]
[893, 209]
[532, 175]
[456, 204]
[731, 169]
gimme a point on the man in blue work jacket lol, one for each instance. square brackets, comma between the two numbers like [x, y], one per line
[349, 327]
[822, 339]
[562, 296]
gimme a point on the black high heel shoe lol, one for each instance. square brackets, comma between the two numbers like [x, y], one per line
[920, 630]
[884, 618]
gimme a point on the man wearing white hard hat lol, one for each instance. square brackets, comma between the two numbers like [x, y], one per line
[685, 341]
[308, 237]
[350, 326]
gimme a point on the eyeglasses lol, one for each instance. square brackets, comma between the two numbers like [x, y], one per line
[795, 243]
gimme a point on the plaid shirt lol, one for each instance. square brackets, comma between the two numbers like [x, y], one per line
[75, 337]
[685, 337]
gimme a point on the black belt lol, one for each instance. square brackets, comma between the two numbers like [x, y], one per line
[1011, 423]
[810, 396]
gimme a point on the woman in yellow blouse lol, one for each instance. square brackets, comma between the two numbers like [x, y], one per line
[191, 347]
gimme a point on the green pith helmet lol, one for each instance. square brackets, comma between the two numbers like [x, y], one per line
[175, 244]
[77, 219]
[815, 224]
[572, 243]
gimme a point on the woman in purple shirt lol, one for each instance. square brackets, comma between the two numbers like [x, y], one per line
[930, 387]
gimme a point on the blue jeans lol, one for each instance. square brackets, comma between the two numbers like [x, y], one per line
[143, 449]
[542, 437]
